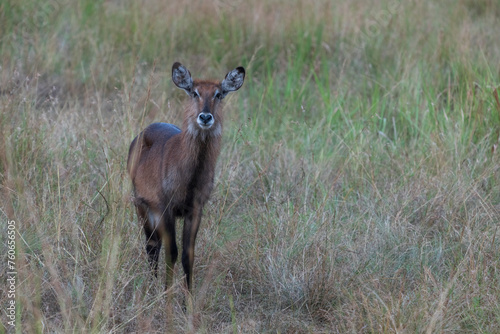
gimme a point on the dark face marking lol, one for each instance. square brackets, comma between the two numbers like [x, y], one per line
[204, 96]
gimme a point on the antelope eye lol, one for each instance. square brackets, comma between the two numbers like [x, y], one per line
[218, 96]
[195, 94]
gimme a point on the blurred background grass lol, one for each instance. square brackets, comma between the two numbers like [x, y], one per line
[358, 186]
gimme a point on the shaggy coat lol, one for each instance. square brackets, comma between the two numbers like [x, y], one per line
[172, 169]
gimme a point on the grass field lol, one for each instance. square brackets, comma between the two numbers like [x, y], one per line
[358, 188]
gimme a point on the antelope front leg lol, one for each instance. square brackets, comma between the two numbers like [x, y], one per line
[170, 249]
[191, 225]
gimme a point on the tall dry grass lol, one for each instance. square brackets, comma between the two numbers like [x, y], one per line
[357, 191]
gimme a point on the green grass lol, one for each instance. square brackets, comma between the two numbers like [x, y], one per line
[358, 189]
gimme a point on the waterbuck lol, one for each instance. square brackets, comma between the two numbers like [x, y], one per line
[172, 169]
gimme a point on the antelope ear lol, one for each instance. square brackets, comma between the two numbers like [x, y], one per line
[233, 80]
[182, 77]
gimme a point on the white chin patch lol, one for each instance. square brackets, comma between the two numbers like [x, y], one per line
[204, 131]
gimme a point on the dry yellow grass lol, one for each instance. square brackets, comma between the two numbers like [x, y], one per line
[358, 190]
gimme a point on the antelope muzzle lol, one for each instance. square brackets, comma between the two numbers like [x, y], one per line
[205, 120]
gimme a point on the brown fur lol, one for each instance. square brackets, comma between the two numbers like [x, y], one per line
[172, 172]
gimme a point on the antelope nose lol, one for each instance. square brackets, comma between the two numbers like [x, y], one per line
[205, 118]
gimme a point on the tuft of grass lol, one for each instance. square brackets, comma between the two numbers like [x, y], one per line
[358, 189]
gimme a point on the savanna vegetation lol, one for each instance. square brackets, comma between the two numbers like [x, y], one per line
[358, 188]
